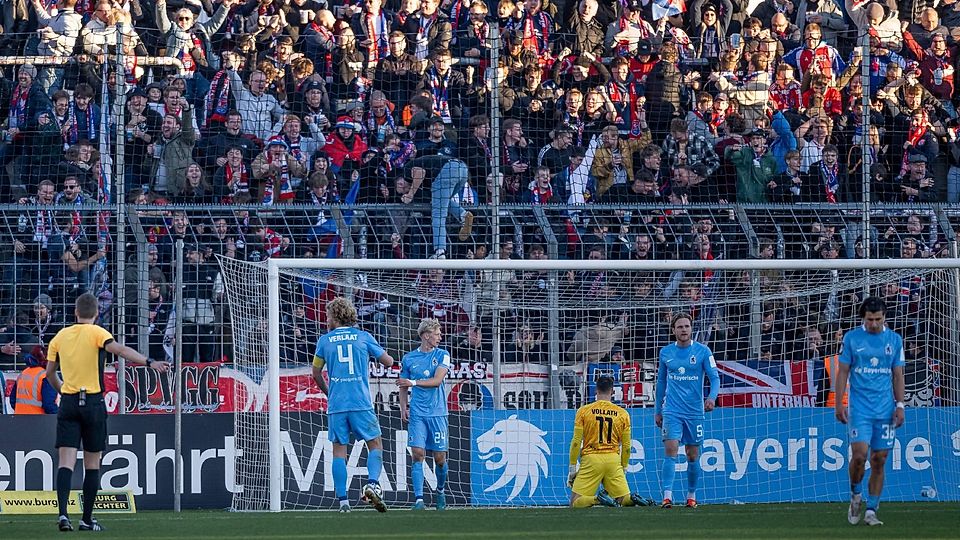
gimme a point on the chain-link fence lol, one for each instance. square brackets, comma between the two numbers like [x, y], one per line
[457, 129]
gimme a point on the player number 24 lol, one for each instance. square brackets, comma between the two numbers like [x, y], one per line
[608, 423]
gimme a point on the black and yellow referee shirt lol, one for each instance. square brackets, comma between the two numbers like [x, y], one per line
[79, 349]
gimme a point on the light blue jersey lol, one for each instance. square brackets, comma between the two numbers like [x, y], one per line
[418, 366]
[871, 358]
[346, 352]
[680, 380]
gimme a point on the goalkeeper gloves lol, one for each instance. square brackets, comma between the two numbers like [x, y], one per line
[571, 476]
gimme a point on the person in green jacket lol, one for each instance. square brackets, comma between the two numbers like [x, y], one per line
[755, 167]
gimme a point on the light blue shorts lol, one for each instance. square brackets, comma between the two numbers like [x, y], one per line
[879, 434]
[363, 424]
[429, 433]
[689, 431]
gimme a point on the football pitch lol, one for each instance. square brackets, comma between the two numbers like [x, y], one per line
[906, 520]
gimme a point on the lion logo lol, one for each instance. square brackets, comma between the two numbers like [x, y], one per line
[522, 451]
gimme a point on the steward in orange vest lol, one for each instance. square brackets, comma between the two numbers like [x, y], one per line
[31, 393]
[830, 363]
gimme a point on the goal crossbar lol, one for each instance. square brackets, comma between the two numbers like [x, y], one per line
[274, 265]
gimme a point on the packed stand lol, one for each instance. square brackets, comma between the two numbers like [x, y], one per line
[633, 127]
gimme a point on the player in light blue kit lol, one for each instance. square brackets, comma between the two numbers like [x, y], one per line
[872, 361]
[680, 405]
[346, 351]
[423, 370]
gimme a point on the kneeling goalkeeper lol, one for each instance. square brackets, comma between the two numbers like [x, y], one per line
[601, 442]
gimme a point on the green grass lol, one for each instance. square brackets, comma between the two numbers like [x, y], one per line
[920, 520]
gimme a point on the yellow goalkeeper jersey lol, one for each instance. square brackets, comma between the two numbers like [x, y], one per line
[605, 428]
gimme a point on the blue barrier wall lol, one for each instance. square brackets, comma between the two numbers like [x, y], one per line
[749, 455]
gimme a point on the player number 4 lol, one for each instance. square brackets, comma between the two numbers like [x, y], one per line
[608, 422]
[345, 356]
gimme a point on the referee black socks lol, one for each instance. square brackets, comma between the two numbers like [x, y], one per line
[64, 476]
[91, 484]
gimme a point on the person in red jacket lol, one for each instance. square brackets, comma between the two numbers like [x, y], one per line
[345, 146]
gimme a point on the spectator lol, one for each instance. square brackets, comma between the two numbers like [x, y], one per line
[427, 30]
[172, 152]
[196, 189]
[212, 149]
[755, 168]
[59, 30]
[447, 177]
[233, 177]
[143, 126]
[259, 110]
[200, 280]
[276, 168]
[436, 142]
[398, 73]
[190, 42]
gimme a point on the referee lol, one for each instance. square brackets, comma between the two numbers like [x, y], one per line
[79, 351]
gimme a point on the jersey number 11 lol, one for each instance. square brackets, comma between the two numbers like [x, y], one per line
[608, 422]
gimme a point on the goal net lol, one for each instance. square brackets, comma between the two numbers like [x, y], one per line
[528, 340]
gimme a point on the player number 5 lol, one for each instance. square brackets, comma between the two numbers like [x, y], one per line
[345, 356]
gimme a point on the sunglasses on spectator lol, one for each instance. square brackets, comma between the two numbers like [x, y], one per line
[185, 18]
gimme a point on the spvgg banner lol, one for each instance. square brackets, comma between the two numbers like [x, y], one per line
[748, 455]
[139, 459]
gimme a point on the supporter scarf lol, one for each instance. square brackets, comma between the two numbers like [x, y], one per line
[481, 32]
[91, 133]
[130, 64]
[18, 107]
[76, 224]
[918, 131]
[577, 126]
[42, 227]
[539, 197]
[423, 33]
[712, 123]
[486, 149]
[377, 34]
[327, 68]
[278, 188]
[294, 146]
[830, 182]
[623, 96]
[455, 15]
[399, 157]
[374, 122]
[441, 99]
[272, 243]
[217, 102]
[238, 180]
[710, 45]
[623, 46]
[154, 312]
[532, 24]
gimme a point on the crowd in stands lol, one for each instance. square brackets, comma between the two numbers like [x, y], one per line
[280, 108]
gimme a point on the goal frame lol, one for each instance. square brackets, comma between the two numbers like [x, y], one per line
[275, 266]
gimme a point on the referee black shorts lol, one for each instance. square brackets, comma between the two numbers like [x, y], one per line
[82, 427]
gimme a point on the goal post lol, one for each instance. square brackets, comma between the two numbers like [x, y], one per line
[276, 312]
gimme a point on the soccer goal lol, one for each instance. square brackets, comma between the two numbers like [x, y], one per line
[529, 338]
